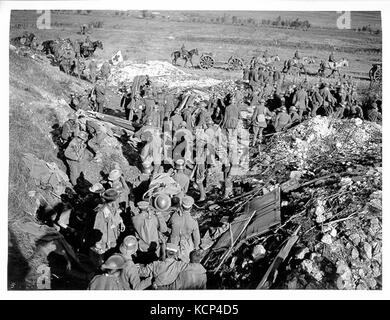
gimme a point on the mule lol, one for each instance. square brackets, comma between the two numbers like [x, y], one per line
[87, 52]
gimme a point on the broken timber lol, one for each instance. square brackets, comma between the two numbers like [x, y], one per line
[270, 275]
[259, 216]
[119, 122]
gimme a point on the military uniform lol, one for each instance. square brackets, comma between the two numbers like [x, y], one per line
[185, 230]
[75, 155]
[164, 272]
[180, 177]
[259, 121]
[108, 222]
[105, 70]
[282, 121]
[193, 277]
[92, 71]
[300, 100]
[316, 101]
[147, 227]
[100, 92]
[110, 280]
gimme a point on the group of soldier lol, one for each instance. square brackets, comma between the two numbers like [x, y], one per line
[142, 243]
[116, 234]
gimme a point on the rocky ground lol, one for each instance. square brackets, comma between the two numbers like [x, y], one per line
[329, 172]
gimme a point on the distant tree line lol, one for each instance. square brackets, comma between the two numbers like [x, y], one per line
[368, 29]
[235, 20]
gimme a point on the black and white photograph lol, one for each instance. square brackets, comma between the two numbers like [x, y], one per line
[165, 149]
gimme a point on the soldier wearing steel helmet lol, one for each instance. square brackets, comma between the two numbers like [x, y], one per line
[129, 274]
[110, 279]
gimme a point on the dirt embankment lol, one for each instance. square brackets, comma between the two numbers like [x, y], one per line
[37, 104]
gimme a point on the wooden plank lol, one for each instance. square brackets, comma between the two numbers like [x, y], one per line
[267, 214]
[282, 255]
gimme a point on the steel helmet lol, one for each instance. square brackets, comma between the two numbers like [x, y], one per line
[162, 202]
[115, 262]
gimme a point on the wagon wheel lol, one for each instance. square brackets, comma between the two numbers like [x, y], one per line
[206, 62]
[235, 63]
[378, 74]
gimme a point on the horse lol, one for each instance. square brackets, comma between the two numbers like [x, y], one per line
[334, 67]
[186, 56]
[87, 52]
[48, 46]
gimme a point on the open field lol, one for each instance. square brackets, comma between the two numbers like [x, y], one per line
[155, 38]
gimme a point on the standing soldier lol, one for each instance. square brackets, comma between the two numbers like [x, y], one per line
[276, 76]
[180, 177]
[300, 100]
[109, 222]
[92, 70]
[100, 95]
[118, 183]
[75, 155]
[185, 229]
[230, 123]
[258, 121]
[253, 78]
[327, 99]
[147, 227]
[315, 99]
[297, 56]
[152, 150]
[105, 70]
[183, 139]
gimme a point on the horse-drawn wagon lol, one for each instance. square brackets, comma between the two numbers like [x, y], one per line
[375, 72]
[207, 61]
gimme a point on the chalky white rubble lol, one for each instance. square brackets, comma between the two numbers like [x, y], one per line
[330, 172]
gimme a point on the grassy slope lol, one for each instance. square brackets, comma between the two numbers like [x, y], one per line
[34, 89]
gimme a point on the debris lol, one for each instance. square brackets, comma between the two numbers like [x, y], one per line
[327, 239]
[258, 251]
[266, 211]
[300, 255]
[271, 273]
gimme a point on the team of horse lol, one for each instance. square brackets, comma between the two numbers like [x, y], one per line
[294, 66]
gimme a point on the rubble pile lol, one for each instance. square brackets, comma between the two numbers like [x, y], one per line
[162, 73]
[330, 175]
